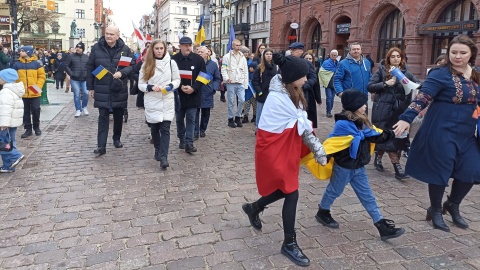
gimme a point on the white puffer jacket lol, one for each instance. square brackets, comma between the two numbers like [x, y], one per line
[11, 105]
[160, 107]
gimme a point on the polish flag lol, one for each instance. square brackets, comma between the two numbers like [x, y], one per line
[35, 89]
[149, 38]
[140, 38]
[125, 61]
[185, 74]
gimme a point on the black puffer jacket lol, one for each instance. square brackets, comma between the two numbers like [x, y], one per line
[262, 83]
[109, 93]
[76, 66]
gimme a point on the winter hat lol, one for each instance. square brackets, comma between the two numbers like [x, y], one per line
[292, 68]
[353, 99]
[81, 46]
[28, 50]
[9, 75]
[253, 65]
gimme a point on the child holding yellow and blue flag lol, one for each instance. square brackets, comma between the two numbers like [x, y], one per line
[350, 145]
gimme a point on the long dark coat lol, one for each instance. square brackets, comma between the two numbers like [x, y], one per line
[59, 69]
[109, 93]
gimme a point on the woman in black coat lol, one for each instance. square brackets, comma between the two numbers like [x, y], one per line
[59, 70]
[390, 101]
[261, 80]
[311, 89]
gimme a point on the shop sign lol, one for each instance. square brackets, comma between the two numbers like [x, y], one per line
[292, 37]
[5, 20]
[343, 28]
[435, 28]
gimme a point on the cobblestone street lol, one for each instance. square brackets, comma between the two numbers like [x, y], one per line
[66, 209]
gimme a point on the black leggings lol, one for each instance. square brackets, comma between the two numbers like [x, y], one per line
[459, 191]
[289, 210]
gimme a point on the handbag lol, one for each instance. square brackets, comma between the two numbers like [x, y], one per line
[134, 90]
[7, 146]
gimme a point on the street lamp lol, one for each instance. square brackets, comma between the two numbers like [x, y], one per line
[213, 8]
[55, 28]
[184, 24]
[166, 32]
[97, 26]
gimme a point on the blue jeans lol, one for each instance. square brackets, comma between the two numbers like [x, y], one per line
[201, 124]
[259, 112]
[358, 179]
[76, 87]
[185, 119]
[9, 158]
[232, 90]
[330, 97]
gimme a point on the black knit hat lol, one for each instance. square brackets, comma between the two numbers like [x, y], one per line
[292, 68]
[353, 99]
[81, 46]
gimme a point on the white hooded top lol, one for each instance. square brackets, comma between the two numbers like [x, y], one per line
[11, 105]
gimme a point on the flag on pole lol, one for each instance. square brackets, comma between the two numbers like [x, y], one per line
[201, 33]
[185, 74]
[232, 37]
[99, 72]
[140, 38]
[125, 61]
[35, 89]
[204, 78]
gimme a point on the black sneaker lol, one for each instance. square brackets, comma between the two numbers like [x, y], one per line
[202, 134]
[38, 132]
[27, 134]
[181, 145]
[323, 216]
[387, 230]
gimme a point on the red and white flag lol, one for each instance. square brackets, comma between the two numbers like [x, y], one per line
[185, 74]
[149, 38]
[35, 89]
[140, 38]
[125, 61]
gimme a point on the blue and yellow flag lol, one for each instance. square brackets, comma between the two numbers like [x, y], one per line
[100, 72]
[204, 78]
[201, 33]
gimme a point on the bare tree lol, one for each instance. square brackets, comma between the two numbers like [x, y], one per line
[27, 17]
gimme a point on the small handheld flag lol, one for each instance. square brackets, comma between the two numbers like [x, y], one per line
[35, 89]
[167, 89]
[125, 61]
[204, 78]
[185, 74]
[100, 72]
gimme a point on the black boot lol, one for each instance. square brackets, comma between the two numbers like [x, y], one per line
[252, 210]
[37, 130]
[387, 230]
[157, 154]
[254, 119]
[238, 121]
[435, 215]
[454, 211]
[222, 96]
[399, 172]
[323, 216]
[28, 133]
[292, 251]
[164, 163]
[245, 119]
[231, 123]
[377, 162]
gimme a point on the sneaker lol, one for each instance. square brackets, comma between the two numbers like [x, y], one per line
[27, 134]
[85, 111]
[387, 230]
[38, 132]
[3, 170]
[329, 115]
[324, 217]
[17, 162]
[78, 113]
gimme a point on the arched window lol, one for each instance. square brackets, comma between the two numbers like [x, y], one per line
[391, 33]
[316, 37]
[461, 10]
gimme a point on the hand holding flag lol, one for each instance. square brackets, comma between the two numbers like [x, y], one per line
[35, 89]
[100, 72]
[204, 78]
[167, 89]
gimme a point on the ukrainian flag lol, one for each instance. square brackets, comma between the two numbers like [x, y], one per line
[99, 72]
[204, 78]
[201, 33]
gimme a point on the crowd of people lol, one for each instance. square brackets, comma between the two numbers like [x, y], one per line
[283, 90]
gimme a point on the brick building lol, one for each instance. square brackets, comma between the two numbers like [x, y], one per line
[422, 29]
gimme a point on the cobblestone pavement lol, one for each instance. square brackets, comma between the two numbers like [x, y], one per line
[66, 209]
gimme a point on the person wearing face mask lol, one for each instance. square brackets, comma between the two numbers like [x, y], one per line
[447, 143]
[159, 72]
[389, 102]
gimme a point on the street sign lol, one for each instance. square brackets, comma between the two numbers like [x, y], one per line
[294, 25]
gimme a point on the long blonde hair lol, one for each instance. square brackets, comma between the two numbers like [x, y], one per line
[296, 95]
[356, 116]
[149, 63]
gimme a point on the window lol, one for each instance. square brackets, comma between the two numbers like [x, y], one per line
[391, 34]
[248, 15]
[184, 11]
[264, 15]
[461, 10]
[179, 10]
[81, 32]
[197, 11]
[41, 27]
[56, 7]
[79, 13]
[255, 13]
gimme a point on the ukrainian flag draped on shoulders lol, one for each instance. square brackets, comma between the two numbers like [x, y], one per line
[326, 72]
[345, 135]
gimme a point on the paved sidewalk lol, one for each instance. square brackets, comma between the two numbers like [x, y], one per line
[66, 209]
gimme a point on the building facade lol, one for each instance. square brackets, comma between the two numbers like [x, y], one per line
[422, 29]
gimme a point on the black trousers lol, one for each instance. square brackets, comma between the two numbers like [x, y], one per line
[161, 136]
[289, 210]
[104, 122]
[31, 113]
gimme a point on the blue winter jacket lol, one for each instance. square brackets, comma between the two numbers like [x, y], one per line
[343, 78]
[209, 90]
